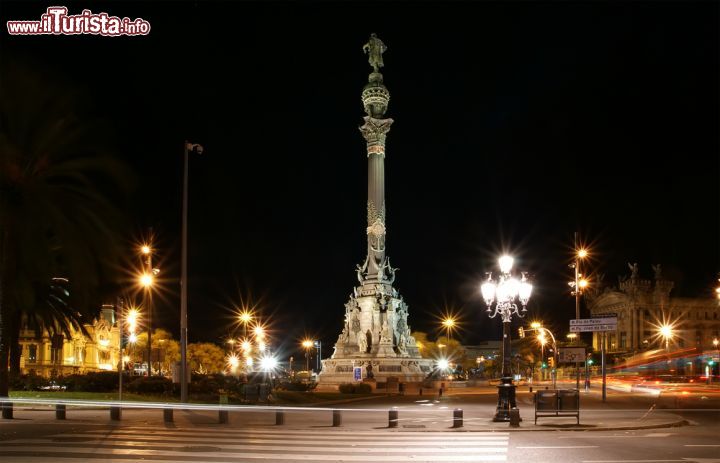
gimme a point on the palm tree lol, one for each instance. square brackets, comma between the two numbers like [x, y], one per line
[56, 216]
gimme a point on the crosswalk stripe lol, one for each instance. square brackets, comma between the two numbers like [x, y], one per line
[195, 458]
[226, 449]
[274, 430]
[314, 442]
[203, 445]
[270, 437]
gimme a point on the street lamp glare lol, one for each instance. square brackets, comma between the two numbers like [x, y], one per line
[245, 317]
[582, 253]
[145, 249]
[488, 291]
[448, 322]
[506, 263]
[666, 331]
[535, 325]
[583, 283]
[268, 363]
[307, 344]
[146, 280]
[716, 342]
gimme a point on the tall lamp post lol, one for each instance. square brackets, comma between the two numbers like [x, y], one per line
[449, 324]
[147, 279]
[307, 344]
[579, 283]
[542, 331]
[194, 147]
[717, 351]
[667, 333]
[245, 317]
[318, 346]
[505, 293]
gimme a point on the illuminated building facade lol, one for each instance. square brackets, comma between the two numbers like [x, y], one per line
[643, 306]
[49, 356]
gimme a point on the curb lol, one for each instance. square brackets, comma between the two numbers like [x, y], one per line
[674, 424]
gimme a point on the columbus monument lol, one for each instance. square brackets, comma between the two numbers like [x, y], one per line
[376, 336]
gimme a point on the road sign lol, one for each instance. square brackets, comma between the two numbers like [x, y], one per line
[586, 329]
[594, 321]
[571, 354]
[357, 373]
[593, 324]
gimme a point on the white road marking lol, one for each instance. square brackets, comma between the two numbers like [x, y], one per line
[146, 455]
[632, 461]
[149, 444]
[560, 447]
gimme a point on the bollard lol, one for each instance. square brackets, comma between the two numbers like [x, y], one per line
[531, 389]
[60, 411]
[337, 418]
[514, 418]
[420, 391]
[7, 410]
[115, 413]
[457, 418]
[279, 417]
[393, 418]
[222, 416]
[168, 415]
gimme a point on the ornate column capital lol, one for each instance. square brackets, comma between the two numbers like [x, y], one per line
[374, 132]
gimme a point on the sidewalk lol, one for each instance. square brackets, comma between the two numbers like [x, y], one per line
[413, 414]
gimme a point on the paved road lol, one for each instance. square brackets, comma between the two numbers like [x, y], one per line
[423, 435]
[69, 442]
[211, 444]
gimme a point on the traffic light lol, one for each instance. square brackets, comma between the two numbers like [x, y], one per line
[521, 332]
[590, 362]
[544, 365]
[551, 362]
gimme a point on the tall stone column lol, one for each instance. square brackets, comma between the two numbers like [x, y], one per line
[374, 131]
[375, 97]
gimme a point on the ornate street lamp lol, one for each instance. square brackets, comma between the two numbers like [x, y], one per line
[505, 294]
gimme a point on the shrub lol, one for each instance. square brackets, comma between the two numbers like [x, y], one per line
[296, 386]
[151, 385]
[100, 381]
[359, 388]
[362, 388]
[31, 382]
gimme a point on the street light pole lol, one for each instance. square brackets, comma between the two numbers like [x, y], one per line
[119, 309]
[184, 278]
[147, 283]
[504, 294]
[307, 344]
[318, 345]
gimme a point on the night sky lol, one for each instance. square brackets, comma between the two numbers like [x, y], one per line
[516, 124]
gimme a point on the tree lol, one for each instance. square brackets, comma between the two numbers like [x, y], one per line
[164, 347]
[449, 349]
[56, 218]
[205, 357]
[425, 346]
